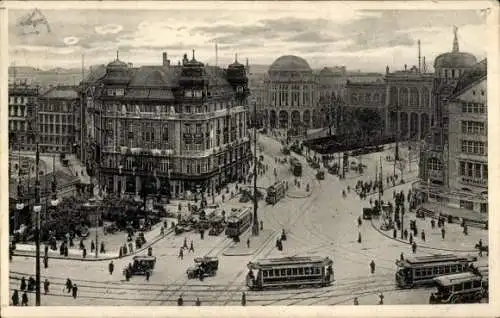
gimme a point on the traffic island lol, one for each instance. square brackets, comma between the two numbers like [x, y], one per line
[446, 245]
[257, 243]
[28, 250]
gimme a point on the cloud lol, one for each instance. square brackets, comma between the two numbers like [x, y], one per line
[108, 29]
[71, 40]
[311, 36]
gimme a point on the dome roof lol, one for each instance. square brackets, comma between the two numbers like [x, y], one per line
[290, 63]
[455, 60]
[326, 71]
[476, 72]
[117, 64]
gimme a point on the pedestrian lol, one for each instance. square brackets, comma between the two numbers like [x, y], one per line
[75, 291]
[248, 242]
[356, 302]
[131, 247]
[198, 302]
[411, 238]
[120, 252]
[46, 261]
[381, 297]
[111, 268]
[23, 284]
[443, 232]
[66, 250]
[185, 245]
[422, 235]
[401, 257]
[394, 233]
[180, 301]
[125, 249]
[433, 223]
[84, 252]
[46, 285]
[24, 301]
[414, 247]
[148, 273]
[405, 234]
[359, 237]
[261, 225]
[31, 284]
[81, 244]
[46, 249]
[372, 267]
[69, 285]
[466, 229]
[92, 246]
[162, 231]
[103, 250]
[359, 221]
[15, 298]
[181, 254]
[243, 299]
[150, 251]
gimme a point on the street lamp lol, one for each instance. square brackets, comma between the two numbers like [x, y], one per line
[255, 228]
[37, 208]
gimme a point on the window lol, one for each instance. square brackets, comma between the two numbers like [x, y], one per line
[264, 273]
[289, 271]
[458, 287]
[301, 271]
[467, 285]
[473, 147]
[447, 270]
[468, 205]
[165, 134]
[277, 272]
[473, 127]
[435, 164]
[474, 108]
[294, 271]
[476, 284]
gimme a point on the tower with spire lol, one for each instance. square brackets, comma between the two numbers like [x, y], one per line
[455, 40]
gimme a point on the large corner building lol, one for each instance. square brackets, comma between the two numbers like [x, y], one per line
[176, 128]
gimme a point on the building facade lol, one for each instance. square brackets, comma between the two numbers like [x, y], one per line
[449, 68]
[173, 128]
[22, 109]
[409, 103]
[291, 95]
[467, 155]
[58, 119]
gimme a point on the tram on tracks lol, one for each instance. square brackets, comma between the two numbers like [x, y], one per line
[276, 192]
[238, 222]
[289, 272]
[295, 167]
[421, 270]
[467, 287]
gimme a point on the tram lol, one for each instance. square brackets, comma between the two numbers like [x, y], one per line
[276, 192]
[464, 287]
[238, 222]
[421, 270]
[295, 167]
[289, 272]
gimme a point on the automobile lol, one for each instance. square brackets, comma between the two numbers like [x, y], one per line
[141, 265]
[207, 265]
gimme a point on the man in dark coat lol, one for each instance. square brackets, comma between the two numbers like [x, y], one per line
[46, 285]
[23, 284]
[75, 290]
[24, 301]
[111, 268]
[15, 298]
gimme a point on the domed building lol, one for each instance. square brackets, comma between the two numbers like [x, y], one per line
[291, 95]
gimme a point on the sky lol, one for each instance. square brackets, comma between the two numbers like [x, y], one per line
[323, 33]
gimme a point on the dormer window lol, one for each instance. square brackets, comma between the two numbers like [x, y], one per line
[120, 92]
[188, 93]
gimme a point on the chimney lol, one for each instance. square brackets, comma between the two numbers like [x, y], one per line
[166, 61]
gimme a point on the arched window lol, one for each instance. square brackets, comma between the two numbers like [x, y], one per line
[394, 96]
[376, 98]
[413, 96]
[368, 98]
[354, 98]
[424, 97]
[403, 96]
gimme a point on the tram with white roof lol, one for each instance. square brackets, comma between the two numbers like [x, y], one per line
[292, 271]
[421, 270]
[467, 287]
[238, 222]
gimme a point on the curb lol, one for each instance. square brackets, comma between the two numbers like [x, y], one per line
[73, 258]
[258, 250]
[420, 246]
[298, 196]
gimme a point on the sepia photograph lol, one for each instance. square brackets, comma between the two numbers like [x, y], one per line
[247, 154]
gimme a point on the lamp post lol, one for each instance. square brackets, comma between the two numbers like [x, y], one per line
[255, 228]
[37, 208]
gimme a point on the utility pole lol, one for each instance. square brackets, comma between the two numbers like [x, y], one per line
[396, 150]
[37, 208]
[255, 229]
